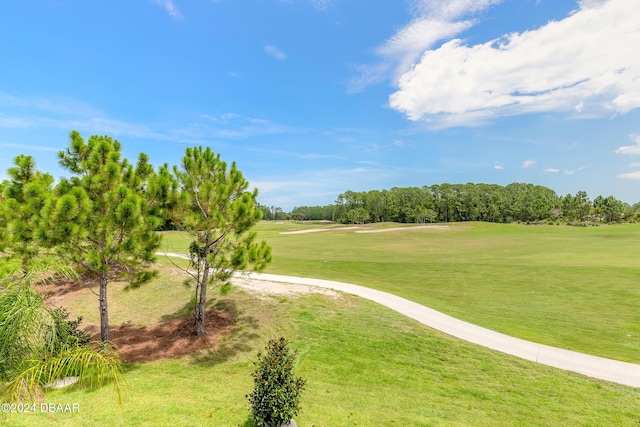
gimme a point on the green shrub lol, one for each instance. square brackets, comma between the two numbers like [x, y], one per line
[276, 395]
[69, 330]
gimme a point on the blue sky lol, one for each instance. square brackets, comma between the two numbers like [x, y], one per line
[315, 97]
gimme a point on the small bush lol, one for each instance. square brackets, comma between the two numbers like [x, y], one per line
[276, 395]
[69, 330]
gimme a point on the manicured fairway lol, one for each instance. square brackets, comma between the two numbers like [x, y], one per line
[570, 287]
[365, 366]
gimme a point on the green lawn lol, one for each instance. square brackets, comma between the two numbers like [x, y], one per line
[369, 366]
[570, 287]
[365, 365]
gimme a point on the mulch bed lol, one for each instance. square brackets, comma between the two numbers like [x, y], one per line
[173, 338]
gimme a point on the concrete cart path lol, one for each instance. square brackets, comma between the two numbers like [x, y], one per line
[592, 366]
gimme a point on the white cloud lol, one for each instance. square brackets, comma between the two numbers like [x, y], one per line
[449, 9]
[630, 149]
[402, 144]
[322, 4]
[573, 171]
[498, 167]
[551, 170]
[35, 119]
[635, 165]
[433, 20]
[234, 126]
[587, 4]
[306, 156]
[367, 75]
[59, 105]
[585, 65]
[275, 52]
[67, 113]
[528, 163]
[630, 175]
[170, 8]
[29, 147]
[409, 43]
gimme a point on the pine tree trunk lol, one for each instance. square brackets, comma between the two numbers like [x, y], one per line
[104, 312]
[200, 311]
[202, 301]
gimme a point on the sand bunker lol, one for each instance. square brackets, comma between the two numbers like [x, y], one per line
[357, 229]
[419, 227]
[317, 230]
[267, 287]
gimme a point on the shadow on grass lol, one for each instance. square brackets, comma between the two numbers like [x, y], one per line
[237, 342]
[185, 311]
[248, 422]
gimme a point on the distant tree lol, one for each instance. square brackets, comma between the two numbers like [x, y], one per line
[610, 208]
[267, 213]
[583, 205]
[376, 205]
[314, 212]
[298, 217]
[104, 217]
[555, 213]
[278, 213]
[215, 208]
[569, 208]
[358, 216]
[423, 215]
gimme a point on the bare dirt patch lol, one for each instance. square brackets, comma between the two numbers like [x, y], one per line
[173, 338]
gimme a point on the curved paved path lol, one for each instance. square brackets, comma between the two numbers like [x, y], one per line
[592, 366]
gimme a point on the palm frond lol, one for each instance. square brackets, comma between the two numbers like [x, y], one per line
[34, 351]
[94, 367]
[25, 323]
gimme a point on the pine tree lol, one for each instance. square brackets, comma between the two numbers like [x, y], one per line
[104, 217]
[216, 210]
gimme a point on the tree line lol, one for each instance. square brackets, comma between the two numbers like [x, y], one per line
[470, 202]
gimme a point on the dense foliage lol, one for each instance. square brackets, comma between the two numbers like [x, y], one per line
[22, 198]
[104, 219]
[275, 398]
[470, 202]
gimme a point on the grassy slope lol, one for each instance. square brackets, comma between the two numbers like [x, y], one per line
[576, 288]
[365, 366]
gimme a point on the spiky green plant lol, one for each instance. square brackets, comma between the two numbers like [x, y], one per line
[36, 348]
